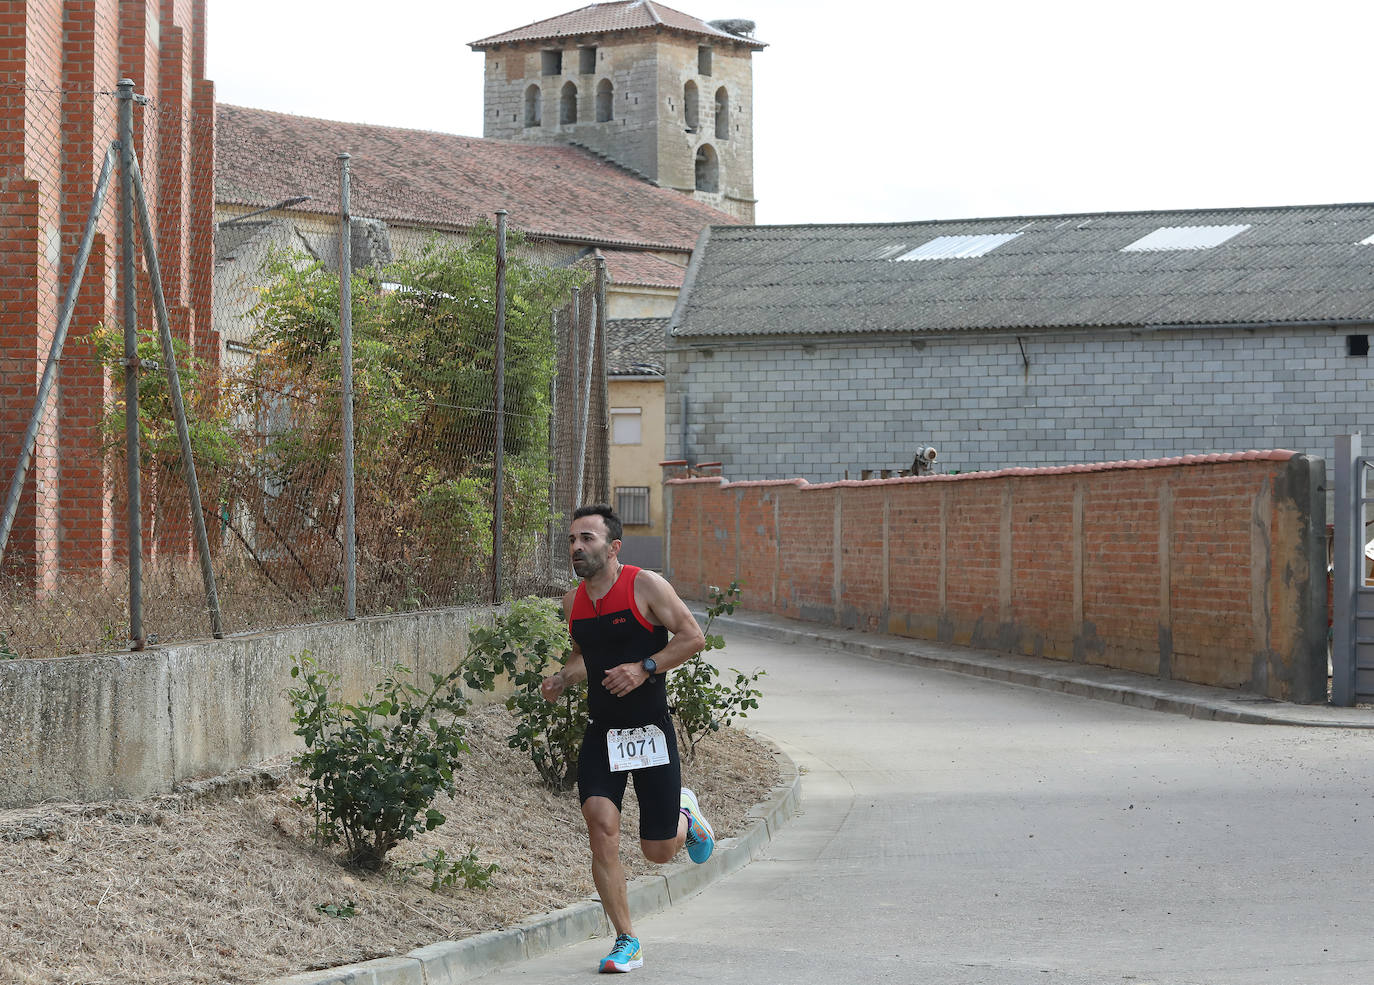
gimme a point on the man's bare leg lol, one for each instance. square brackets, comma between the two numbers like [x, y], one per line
[663, 852]
[603, 831]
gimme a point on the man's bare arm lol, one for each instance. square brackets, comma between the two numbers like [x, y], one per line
[660, 604]
[573, 669]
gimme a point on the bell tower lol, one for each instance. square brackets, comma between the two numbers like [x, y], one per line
[650, 88]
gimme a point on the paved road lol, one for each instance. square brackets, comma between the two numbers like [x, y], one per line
[966, 832]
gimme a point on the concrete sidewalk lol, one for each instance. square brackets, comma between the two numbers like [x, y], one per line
[1083, 680]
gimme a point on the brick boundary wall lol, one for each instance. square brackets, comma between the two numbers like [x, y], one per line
[1207, 568]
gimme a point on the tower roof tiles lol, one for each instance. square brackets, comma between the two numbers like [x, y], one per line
[614, 17]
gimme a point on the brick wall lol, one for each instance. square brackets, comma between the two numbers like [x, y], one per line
[59, 62]
[1209, 569]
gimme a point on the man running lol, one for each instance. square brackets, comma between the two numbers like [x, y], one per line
[620, 618]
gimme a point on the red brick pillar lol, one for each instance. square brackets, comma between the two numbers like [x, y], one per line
[59, 61]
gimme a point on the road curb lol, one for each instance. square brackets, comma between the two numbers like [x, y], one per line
[451, 962]
[1083, 680]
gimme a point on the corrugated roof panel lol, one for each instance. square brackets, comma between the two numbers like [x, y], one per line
[1185, 238]
[961, 247]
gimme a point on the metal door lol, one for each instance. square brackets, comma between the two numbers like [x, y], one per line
[1352, 618]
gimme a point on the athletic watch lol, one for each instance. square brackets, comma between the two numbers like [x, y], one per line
[650, 665]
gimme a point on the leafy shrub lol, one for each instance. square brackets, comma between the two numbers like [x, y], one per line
[375, 767]
[526, 645]
[445, 870]
[702, 703]
[343, 909]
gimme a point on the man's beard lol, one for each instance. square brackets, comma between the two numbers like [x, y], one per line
[587, 565]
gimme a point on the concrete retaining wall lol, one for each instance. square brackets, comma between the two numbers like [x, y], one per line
[1209, 569]
[137, 724]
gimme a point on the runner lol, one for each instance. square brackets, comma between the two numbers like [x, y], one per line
[620, 618]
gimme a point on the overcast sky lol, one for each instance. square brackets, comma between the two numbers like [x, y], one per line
[883, 111]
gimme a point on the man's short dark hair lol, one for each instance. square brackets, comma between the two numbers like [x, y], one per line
[607, 514]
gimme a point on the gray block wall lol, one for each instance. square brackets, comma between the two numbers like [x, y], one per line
[778, 409]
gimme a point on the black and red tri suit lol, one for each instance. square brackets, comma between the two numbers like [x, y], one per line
[609, 632]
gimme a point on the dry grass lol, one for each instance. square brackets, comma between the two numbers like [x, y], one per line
[186, 890]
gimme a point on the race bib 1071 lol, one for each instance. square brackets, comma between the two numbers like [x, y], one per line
[636, 748]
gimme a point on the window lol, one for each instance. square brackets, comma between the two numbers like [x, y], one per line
[625, 426]
[567, 104]
[722, 114]
[704, 60]
[958, 247]
[708, 169]
[689, 106]
[552, 62]
[632, 503]
[532, 106]
[1357, 345]
[605, 94]
[1184, 238]
[586, 60]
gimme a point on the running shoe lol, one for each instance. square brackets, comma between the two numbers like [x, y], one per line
[625, 956]
[701, 839]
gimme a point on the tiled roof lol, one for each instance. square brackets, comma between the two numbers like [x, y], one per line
[438, 179]
[634, 346]
[608, 18]
[640, 269]
[1293, 264]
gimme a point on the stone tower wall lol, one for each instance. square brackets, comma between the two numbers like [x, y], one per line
[648, 130]
[731, 68]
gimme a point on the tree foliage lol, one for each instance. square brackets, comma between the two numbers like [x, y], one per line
[424, 375]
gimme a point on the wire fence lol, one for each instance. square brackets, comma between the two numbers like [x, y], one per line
[451, 502]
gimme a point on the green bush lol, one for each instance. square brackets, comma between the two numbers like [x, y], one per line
[375, 767]
[701, 702]
[526, 645]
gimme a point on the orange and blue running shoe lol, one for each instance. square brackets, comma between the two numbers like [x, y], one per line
[701, 839]
[625, 956]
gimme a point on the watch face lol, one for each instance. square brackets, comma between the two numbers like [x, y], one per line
[650, 665]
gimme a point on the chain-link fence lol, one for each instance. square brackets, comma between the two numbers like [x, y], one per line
[450, 502]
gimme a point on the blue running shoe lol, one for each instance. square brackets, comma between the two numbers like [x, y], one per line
[625, 956]
[701, 840]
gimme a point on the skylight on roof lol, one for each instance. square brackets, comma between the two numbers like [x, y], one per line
[959, 247]
[1367, 241]
[1184, 238]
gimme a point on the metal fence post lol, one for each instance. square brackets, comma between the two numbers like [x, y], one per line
[585, 410]
[164, 326]
[499, 464]
[555, 518]
[575, 401]
[603, 449]
[350, 549]
[130, 317]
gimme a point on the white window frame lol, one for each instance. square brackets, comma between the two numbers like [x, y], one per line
[624, 415]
